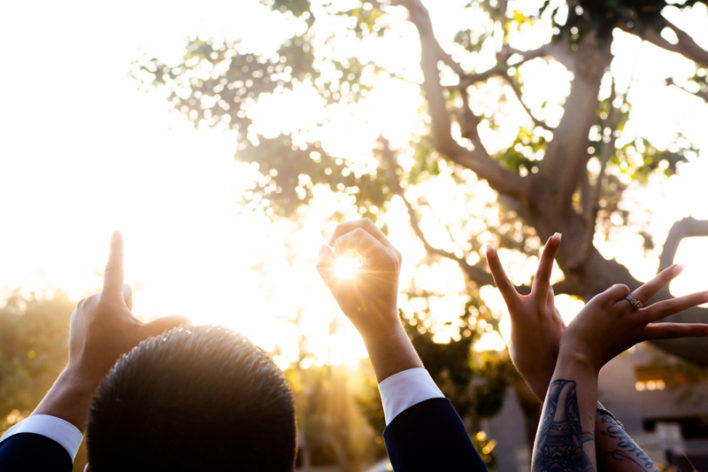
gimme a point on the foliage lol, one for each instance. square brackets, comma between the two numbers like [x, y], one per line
[601, 17]
[220, 83]
[33, 340]
[568, 177]
[33, 350]
[331, 428]
[474, 381]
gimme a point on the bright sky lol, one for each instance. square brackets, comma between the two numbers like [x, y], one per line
[83, 152]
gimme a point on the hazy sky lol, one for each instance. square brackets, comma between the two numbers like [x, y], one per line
[83, 151]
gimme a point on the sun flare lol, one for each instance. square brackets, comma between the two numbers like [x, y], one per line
[348, 265]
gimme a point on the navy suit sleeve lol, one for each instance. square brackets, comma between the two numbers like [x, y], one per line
[28, 452]
[430, 436]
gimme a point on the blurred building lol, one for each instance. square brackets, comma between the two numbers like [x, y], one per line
[661, 400]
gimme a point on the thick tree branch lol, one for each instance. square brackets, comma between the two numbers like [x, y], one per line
[685, 45]
[591, 206]
[474, 273]
[566, 155]
[477, 160]
[685, 228]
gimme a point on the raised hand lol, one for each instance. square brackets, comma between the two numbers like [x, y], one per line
[102, 325]
[368, 297]
[610, 323]
[536, 324]
[102, 328]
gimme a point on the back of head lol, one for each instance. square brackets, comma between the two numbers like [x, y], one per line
[196, 398]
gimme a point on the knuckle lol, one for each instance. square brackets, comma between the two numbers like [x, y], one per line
[622, 289]
[359, 232]
[339, 229]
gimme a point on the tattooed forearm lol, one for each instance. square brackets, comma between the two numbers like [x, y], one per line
[559, 445]
[620, 450]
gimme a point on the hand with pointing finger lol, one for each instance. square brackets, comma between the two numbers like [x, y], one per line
[103, 326]
[102, 329]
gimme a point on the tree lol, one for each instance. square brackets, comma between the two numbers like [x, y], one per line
[33, 340]
[563, 172]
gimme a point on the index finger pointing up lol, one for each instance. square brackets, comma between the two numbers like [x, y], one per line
[113, 277]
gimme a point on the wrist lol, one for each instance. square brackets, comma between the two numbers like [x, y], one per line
[571, 359]
[70, 397]
[79, 377]
[374, 324]
[391, 352]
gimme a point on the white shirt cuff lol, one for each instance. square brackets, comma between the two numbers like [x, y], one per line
[404, 389]
[58, 430]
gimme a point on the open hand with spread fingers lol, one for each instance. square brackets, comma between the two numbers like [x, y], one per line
[570, 437]
[536, 324]
[616, 319]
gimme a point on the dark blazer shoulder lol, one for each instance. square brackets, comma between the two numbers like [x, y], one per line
[29, 452]
[431, 436]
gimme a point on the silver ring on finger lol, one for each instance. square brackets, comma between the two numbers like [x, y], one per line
[636, 304]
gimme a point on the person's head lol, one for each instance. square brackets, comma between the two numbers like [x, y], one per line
[195, 398]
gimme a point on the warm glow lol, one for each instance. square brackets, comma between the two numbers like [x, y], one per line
[102, 156]
[348, 265]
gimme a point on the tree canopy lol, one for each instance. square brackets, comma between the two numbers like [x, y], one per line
[565, 168]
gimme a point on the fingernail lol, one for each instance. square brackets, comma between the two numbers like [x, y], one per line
[678, 268]
[115, 236]
[557, 236]
[488, 247]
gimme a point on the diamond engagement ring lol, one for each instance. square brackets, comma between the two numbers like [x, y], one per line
[636, 304]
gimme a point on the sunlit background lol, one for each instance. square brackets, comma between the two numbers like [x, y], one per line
[84, 150]
[88, 147]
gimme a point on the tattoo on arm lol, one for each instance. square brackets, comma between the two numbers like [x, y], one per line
[559, 445]
[625, 450]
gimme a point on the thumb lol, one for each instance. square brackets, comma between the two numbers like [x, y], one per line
[163, 324]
